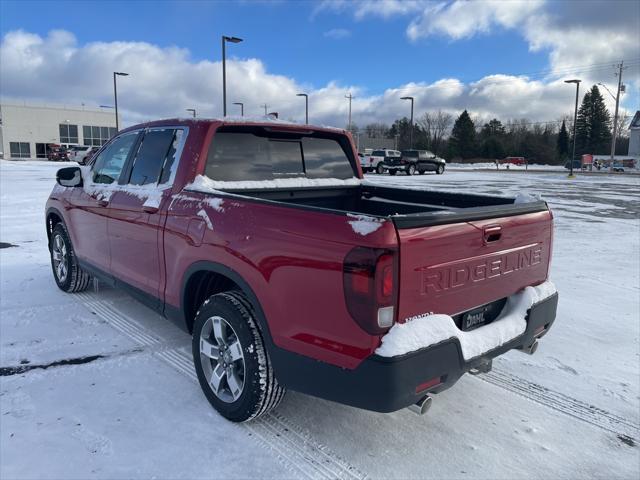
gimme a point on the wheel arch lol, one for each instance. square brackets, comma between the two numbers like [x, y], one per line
[200, 275]
[52, 218]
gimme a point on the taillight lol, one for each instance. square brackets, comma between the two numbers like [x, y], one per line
[370, 288]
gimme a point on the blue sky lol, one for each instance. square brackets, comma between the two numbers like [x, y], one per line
[446, 53]
[287, 36]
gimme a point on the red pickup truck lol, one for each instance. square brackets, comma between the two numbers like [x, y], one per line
[263, 242]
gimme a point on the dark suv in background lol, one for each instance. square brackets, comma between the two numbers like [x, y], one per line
[416, 161]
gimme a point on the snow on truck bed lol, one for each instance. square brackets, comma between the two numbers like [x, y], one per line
[429, 329]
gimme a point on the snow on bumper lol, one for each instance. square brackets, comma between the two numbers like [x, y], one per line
[430, 329]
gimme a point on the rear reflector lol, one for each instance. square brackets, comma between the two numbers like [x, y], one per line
[385, 317]
[430, 384]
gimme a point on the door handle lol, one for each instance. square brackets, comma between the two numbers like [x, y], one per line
[149, 209]
[491, 234]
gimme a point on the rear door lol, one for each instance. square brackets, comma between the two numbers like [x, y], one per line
[135, 215]
[453, 268]
[91, 203]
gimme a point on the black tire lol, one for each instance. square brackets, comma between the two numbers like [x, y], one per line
[411, 170]
[379, 169]
[422, 172]
[392, 172]
[260, 390]
[440, 169]
[74, 279]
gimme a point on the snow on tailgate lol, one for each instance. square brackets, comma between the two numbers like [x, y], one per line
[430, 329]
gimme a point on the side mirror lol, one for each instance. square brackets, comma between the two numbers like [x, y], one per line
[69, 177]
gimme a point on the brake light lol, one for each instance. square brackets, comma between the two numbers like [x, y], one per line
[370, 288]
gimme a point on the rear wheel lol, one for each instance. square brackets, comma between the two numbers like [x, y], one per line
[380, 169]
[230, 359]
[411, 170]
[67, 272]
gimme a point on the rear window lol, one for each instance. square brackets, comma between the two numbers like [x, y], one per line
[257, 154]
[410, 153]
[378, 153]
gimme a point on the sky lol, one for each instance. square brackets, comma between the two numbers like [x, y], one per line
[496, 58]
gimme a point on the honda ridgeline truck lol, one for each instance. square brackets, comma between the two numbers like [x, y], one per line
[263, 242]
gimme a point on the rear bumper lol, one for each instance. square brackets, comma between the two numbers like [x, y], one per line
[387, 384]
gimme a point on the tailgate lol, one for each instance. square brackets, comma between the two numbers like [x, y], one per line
[452, 268]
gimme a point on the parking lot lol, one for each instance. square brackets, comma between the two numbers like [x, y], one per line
[102, 382]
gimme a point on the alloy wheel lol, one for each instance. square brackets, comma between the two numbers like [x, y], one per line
[222, 359]
[60, 256]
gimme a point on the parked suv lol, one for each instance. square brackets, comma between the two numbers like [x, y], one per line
[262, 241]
[58, 153]
[418, 161]
[381, 158]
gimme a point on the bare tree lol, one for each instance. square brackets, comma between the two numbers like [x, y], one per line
[377, 130]
[436, 126]
[624, 117]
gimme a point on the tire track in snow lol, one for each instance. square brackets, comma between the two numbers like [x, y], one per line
[562, 403]
[294, 448]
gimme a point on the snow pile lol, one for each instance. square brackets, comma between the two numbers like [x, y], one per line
[215, 203]
[527, 198]
[363, 224]
[426, 330]
[207, 185]
[151, 193]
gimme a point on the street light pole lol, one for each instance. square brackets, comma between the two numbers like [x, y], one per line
[115, 94]
[241, 108]
[306, 106]
[193, 111]
[615, 117]
[226, 39]
[265, 106]
[575, 121]
[411, 131]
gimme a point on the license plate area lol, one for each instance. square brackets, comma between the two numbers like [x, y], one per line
[477, 317]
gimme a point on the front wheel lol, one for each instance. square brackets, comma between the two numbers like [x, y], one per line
[411, 170]
[440, 169]
[233, 367]
[67, 272]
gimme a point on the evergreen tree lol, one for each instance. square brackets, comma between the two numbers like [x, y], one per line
[593, 127]
[463, 137]
[562, 145]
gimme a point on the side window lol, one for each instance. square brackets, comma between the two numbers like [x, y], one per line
[109, 163]
[155, 157]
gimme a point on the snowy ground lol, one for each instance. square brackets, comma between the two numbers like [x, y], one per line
[570, 411]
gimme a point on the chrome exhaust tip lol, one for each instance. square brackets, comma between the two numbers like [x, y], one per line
[531, 349]
[421, 406]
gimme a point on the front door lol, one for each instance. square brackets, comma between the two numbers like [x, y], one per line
[90, 204]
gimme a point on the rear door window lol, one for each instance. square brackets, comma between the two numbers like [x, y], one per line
[155, 157]
[257, 154]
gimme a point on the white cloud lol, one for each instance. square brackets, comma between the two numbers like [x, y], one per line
[166, 81]
[461, 18]
[337, 33]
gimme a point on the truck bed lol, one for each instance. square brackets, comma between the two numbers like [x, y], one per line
[407, 208]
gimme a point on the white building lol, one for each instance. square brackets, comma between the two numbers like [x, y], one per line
[27, 130]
